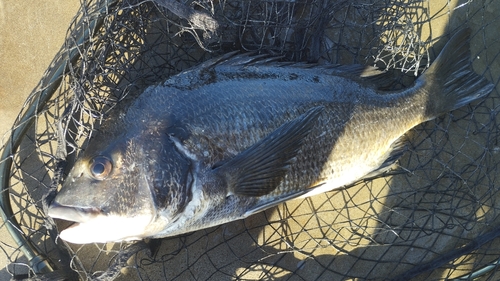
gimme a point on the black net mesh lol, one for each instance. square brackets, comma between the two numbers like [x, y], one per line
[434, 217]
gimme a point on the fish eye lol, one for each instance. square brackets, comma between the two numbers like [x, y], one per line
[100, 167]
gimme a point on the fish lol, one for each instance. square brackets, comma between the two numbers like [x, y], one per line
[241, 133]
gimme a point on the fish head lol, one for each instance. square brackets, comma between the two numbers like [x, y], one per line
[115, 194]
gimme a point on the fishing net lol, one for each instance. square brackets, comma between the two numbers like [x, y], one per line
[434, 216]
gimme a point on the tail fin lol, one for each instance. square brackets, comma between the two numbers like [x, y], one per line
[450, 80]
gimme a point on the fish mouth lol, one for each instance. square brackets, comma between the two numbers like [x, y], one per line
[92, 225]
[73, 214]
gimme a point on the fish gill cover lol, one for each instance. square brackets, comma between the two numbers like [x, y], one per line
[433, 216]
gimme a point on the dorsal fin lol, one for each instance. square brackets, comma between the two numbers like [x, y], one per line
[261, 65]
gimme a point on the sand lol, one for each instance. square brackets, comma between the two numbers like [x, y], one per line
[31, 33]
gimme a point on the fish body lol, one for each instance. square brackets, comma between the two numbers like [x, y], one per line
[239, 134]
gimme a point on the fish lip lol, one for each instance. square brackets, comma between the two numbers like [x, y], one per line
[92, 225]
[72, 213]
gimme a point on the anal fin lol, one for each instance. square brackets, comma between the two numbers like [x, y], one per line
[398, 148]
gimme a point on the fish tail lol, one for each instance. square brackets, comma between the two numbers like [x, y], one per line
[450, 80]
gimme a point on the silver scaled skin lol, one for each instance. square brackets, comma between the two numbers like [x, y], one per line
[239, 134]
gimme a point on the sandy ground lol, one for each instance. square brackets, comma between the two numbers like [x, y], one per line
[30, 36]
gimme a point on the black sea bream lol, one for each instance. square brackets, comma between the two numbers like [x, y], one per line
[239, 134]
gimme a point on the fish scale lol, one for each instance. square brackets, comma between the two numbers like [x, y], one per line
[242, 133]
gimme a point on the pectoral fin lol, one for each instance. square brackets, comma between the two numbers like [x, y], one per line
[258, 208]
[260, 168]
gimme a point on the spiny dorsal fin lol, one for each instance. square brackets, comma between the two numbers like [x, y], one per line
[369, 76]
[260, 168]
